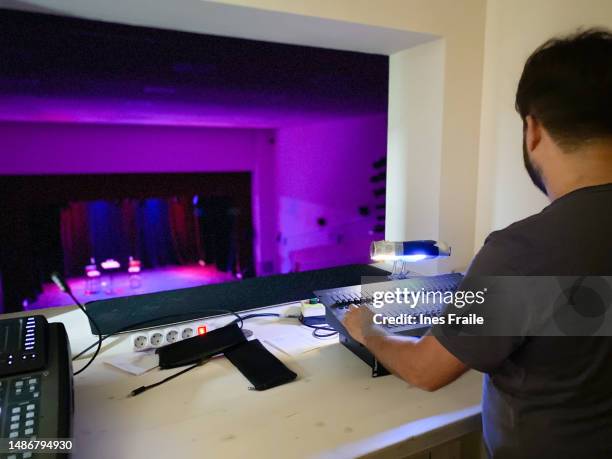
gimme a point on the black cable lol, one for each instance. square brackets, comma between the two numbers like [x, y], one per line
[319, 328]
[316, 332]
[240, 319]
[252, 316]
[93, 322]
[142, 389]
[61, 283]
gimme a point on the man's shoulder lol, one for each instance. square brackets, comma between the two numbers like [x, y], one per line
[519, 232]
[505, 251]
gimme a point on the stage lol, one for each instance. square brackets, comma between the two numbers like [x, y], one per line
[154, 280]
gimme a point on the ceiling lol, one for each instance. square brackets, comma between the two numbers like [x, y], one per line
[214, 18]
[59, 69]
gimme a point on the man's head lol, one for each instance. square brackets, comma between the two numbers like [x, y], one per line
[564, 98]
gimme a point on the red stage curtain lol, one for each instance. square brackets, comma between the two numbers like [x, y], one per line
[129, 227]
[75, 238]
[184, 230]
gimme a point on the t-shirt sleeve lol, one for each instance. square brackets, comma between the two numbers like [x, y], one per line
[481, 351]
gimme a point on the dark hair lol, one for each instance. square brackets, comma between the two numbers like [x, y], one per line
[567, 86]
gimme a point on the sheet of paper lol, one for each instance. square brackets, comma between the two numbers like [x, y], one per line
[135, 363]
[298, 342]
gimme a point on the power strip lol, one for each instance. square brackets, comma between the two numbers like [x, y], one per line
[157, 337]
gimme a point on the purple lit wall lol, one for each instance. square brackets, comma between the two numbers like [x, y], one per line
[88, 97]
[55, 148]
[320, 169]
[65, 148]
[324, 171]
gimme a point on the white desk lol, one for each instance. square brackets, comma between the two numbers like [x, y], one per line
[334, 409]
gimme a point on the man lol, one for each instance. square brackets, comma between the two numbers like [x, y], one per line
[542, 396]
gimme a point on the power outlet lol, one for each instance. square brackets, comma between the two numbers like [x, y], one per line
[157, 338]
[187, 332]
[140, 341]
[171, 335]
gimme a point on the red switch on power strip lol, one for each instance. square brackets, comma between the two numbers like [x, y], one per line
[201, 330]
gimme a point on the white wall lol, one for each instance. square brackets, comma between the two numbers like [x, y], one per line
[513, 30]
[416, 82]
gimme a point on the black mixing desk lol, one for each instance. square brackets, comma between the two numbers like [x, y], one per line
[338, 300]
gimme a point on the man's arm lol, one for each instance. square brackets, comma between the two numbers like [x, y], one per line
[423, 362]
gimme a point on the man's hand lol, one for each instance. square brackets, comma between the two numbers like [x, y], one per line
[422, 362]
[358, 322]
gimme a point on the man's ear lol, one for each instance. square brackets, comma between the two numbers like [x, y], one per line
[533, 133]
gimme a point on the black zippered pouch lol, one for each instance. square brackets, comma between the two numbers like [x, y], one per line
[200, 347]
[259, 365]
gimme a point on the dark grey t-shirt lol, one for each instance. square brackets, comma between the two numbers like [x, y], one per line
[547, 396]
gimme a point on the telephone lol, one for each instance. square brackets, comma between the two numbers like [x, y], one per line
[36, 397]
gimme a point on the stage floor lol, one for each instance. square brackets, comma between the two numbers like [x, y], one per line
[153, 280]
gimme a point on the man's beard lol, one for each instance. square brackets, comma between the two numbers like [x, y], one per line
[534, 174]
